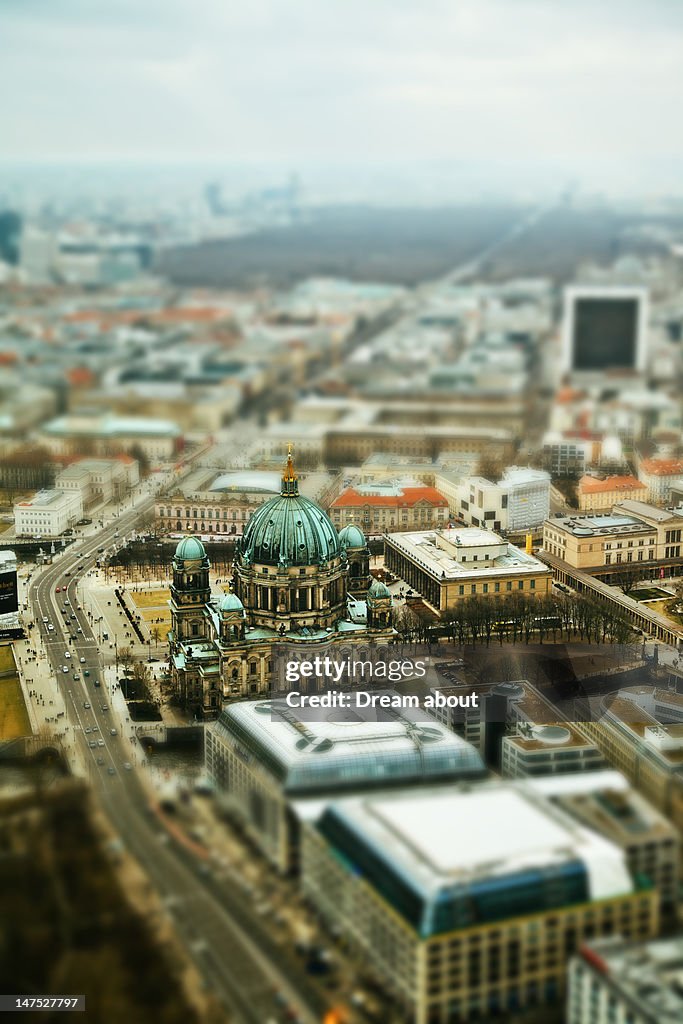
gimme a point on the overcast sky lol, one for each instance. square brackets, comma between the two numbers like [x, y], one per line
[575, 84]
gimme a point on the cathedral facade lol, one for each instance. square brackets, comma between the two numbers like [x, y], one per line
[295, 581]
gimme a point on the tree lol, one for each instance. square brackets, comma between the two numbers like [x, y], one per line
[125, 658]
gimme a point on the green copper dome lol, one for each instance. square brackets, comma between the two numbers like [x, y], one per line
[378, 589]
[190, 549]
[352, 537]
[230, 603]
[289, 530]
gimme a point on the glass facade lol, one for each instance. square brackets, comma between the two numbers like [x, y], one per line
[323, 757]
[462, 905]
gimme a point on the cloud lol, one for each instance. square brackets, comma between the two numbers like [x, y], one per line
[379, 80]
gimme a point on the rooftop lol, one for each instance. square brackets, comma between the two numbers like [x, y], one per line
[593, 485]
[600, 525]
[444, 554]
[391, 497]
[662, 467]
[339, 749]
[45, 499]
[646, 975]
[410, 847]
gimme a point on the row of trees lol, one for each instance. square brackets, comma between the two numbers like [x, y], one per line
[518, 618]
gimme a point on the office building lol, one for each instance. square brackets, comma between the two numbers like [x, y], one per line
[517, 730]
[261, 755]
[604, 329]
[639, 729]
[461, 930]
[520, 501]
[605, 802]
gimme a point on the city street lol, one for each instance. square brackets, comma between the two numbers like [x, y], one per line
[234, 952]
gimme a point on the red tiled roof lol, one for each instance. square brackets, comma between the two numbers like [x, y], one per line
[351, 498]
[662, 467]
[591, 485]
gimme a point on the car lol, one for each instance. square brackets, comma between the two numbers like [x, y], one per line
[88, 729]
[95, 728]
[65, 668]
[100, 743]
[45, 618]
[82, 661]
[79, 630]
[97, 683]
[58, 590]
[76, 677]
[100, 760]
[105, 707]
[73, 615]
[50, 627]
[67, 654]
[92, 744]
[67, 573]
[128, 766]
[111, 770]
[86, 705]
[112, 732]
[86, 672]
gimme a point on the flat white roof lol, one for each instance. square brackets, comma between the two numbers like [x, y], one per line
[422, 549]
[435, 823]
[457, 834]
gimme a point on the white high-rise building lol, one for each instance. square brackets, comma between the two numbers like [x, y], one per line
[519, 501]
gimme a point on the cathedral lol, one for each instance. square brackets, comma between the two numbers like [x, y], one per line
[295, 580]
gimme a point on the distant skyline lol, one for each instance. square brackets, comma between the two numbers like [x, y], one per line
[517, 87]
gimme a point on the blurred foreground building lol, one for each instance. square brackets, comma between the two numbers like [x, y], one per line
[616, 982]
[262, 755]
[458, 931]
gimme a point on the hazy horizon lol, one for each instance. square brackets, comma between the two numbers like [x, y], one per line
[488, 94]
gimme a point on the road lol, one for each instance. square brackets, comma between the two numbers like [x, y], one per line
[234, 952]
